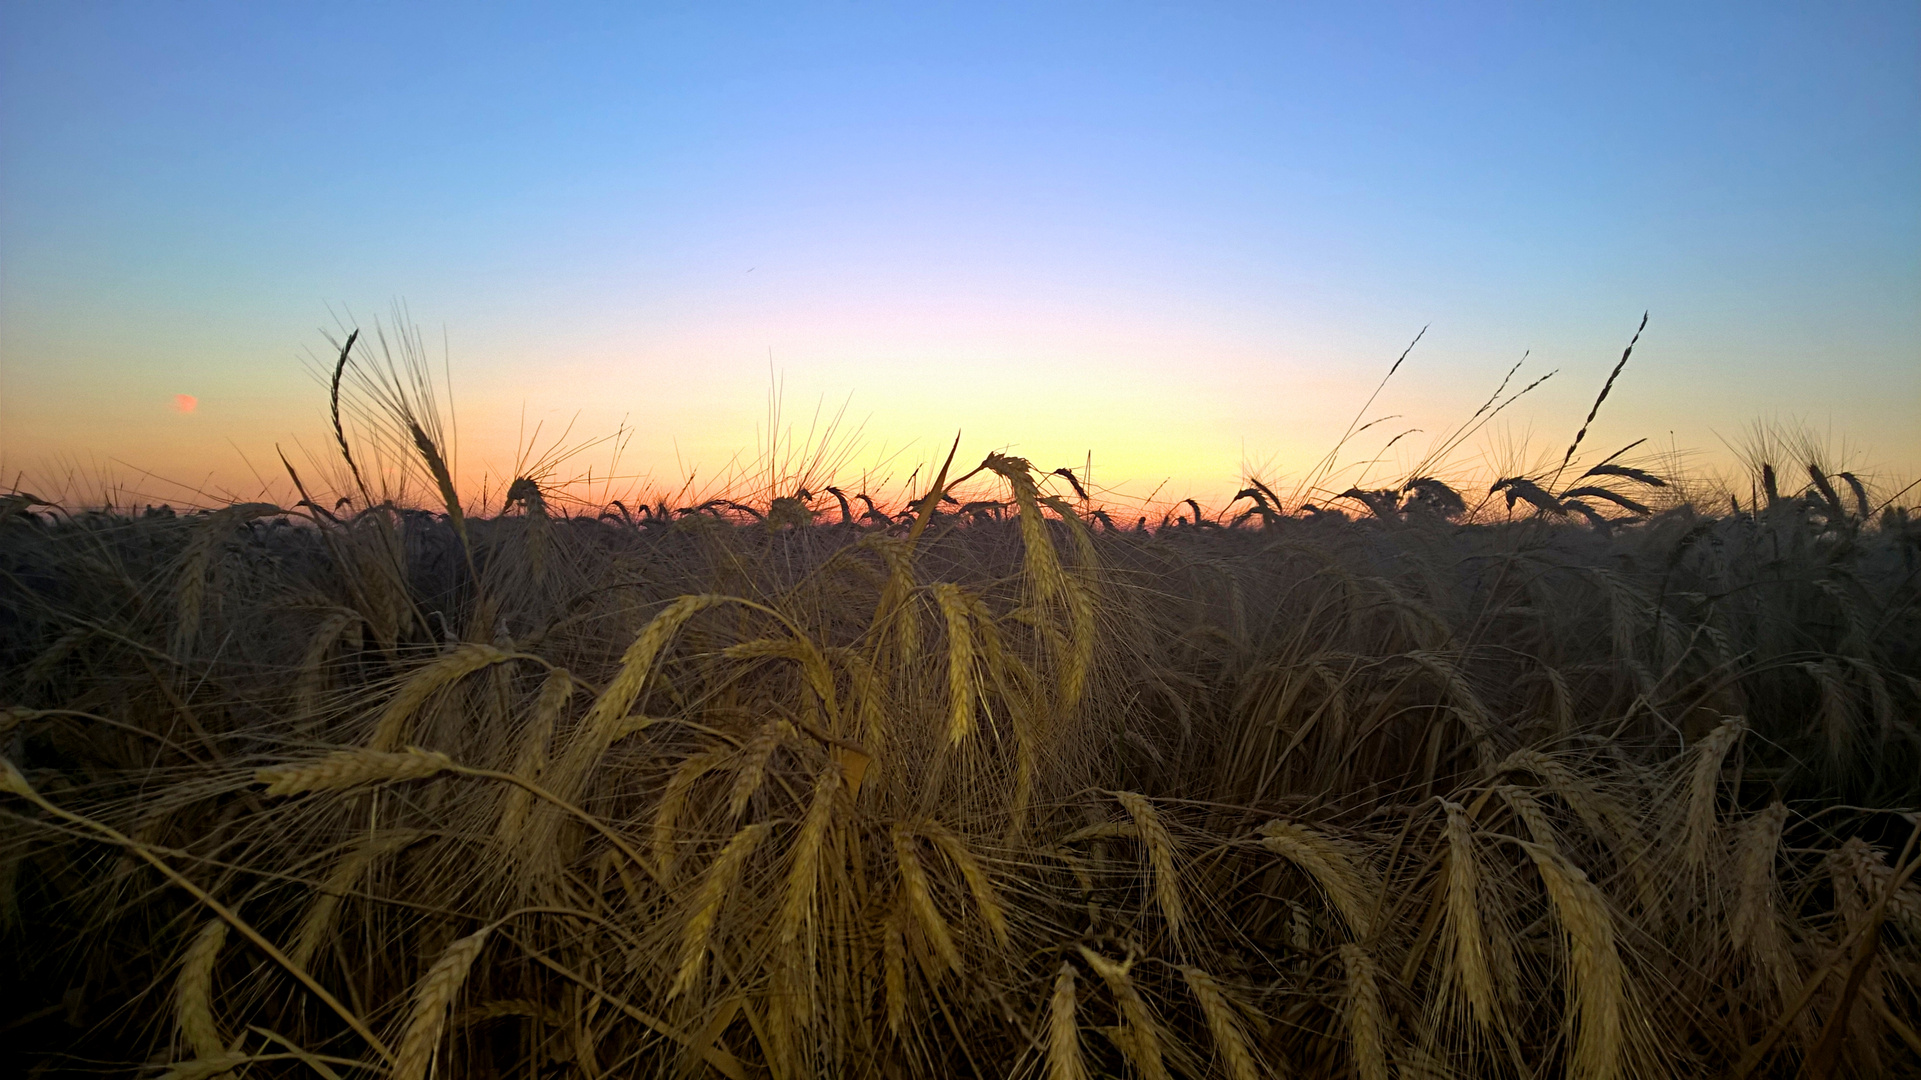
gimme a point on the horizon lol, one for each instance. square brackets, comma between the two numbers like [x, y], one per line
[1184, 246]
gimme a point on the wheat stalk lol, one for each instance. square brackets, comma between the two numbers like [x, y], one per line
[351, 768]
[433, 998]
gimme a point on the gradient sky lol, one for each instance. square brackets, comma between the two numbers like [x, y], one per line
[1185, 238]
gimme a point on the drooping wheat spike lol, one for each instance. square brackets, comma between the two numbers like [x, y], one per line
[603, 720]
[1528, 809]
[753, 766]
[443, 478]
[1876, 878]
[804, 875]
[1223, 1022]
[433, 999]
[961, 676]
[12, 782]
[698, 934]
[894, 968]
[897, 601]
[1755, 925]
[1160, 855]
[390, 732]
[1599, 983]
[1703, 787]
[555, 692]
[190, 590]
[672, 802]
[317, 923]
[1328, 865]
[1143, 1042]
[193, 995]
[1064, 1060]
[1363, 1014]
[1578, 795]
[986, 899]
[307, 684]
[351, 768]
[1468, 957]
[207, 1068]
[1042, 563]
[920, 898]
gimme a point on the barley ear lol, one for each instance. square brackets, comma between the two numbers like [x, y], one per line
[1467, 960]
[1064, 1061]
[1223, 1022]
[1143, 1041]
[1363, 1013]
[1160, 854]
[193, 995]
[351, 768]
[920, 899]
[433, 998]
[1598, 980]
[961, 677]
[698, 934]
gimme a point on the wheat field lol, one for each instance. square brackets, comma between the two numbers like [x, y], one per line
[1588, 779]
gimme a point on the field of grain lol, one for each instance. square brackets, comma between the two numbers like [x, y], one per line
[1494, 786]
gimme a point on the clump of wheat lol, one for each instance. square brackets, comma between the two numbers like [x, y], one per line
[1223, 1022]
[1363, 1013]
[1064, 1060]
[1141, 1037]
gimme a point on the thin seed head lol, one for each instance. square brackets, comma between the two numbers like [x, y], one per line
[391, 730]
[1064, 1061]
[351, 768]
[1469, 959]
[961, 677]
[920, 899]
[720, 879]
[1143, 1044]
[1363, 1013]
[1328, 865]
[193, 998]
[432, 1000]
[1160, 854]
[1223, 1022]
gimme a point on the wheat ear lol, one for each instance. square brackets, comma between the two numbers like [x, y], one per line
[754, 758]
[1703, 786]
[1223, 1022]
[1064, 1061]
[804, 876]
[961, 678]
[193, 996]
[920, 899]
[1328, 865]
[433, 999]
[986, 899]
[391, 729]
[1364, 1015]
[672, 802]
[1599, 983]
[351, 768]
[698, 934]
[1143, 1042]
[1468, 958]
[1160, 854]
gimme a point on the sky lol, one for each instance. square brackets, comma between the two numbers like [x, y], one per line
[1183, 241]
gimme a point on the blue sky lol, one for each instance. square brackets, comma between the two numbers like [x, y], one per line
[1184, 238]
